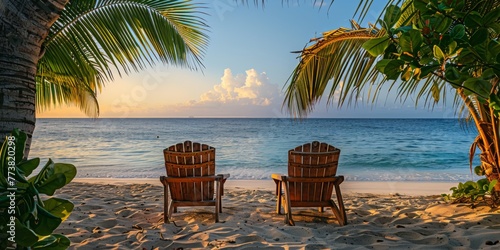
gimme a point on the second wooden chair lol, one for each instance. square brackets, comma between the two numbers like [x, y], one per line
[191, 178]
[311, 178]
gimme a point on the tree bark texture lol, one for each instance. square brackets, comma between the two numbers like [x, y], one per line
[24, 25]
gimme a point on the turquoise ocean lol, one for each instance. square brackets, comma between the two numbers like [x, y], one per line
[246, 148]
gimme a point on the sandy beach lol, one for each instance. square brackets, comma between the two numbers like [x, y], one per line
[128, 214]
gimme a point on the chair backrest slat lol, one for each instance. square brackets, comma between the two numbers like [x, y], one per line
[315, 159]
[190, 159]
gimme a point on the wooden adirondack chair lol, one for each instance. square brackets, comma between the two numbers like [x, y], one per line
[191, 178]
[311, 179]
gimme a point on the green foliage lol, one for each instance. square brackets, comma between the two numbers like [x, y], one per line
[448, 40]
[471, 192]
[376, 46]
[454, 42]
[21, 205]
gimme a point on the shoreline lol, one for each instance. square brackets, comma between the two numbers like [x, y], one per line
[372, 187]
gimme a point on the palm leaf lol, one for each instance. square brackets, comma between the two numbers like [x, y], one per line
[336, 56]
[95, 38]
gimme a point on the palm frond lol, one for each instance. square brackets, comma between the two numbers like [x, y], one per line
[337, 55]
[337, 58]
[408, 14]
[54, 90]
[94, 38]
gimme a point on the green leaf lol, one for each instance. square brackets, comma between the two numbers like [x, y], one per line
[488, 74]
[393, 69]
[458, 31]
[438, 53]
[473, 20]
[496, 67]
[481, 183]
[478, 86]
[494, 103]
[426, 59]
[58, 207]
[380, 66]
[69, 171]
[495, 27]
[376, 46]
[494, 48]
[426, 70]
[53, 242]
[452, 74]
[392, 15]
[420, 5]
[53, 176]
[478, 170]
[50, 184]
[479, 37]
[451, 47]
[27, 167]
[491, 17]
[442, 23]
[390, 52]
[44, 223]
[411, 41]
[403, 29]
[47, 169]
[407, 57]
[492, 185]
[24, 236]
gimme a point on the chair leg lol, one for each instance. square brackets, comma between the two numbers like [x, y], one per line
[336, 212]
[221, 192]
[220, 205]
[218, 200]
[165, 204]
[341, 204]
[288, 207]
[170, 209]
[279, 190]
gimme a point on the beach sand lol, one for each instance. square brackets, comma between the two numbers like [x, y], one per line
[128, 214]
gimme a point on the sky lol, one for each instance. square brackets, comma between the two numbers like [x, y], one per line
[246, 66]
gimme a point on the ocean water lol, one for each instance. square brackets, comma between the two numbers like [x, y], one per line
[371, 149]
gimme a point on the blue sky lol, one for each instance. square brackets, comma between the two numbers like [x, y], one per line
[247, 64]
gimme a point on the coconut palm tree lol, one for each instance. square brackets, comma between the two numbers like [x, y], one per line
[420, 48]
[63, 51]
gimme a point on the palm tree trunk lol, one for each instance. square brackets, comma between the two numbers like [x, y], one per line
[24, 25]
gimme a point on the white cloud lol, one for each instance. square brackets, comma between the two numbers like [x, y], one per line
[250, 94]
[250, 89]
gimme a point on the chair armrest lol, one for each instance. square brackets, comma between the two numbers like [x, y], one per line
[223, 176]
[277, 177]
[163, 181]
[340, 179]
